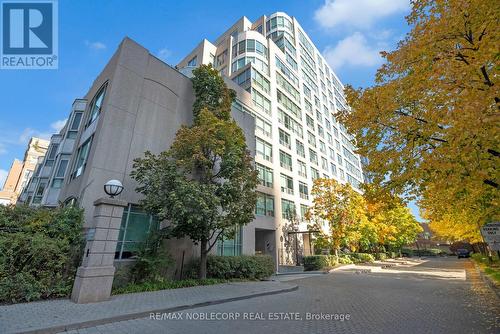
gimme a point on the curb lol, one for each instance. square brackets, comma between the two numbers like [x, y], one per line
[347, 266]
[488, 281]
[143, 314]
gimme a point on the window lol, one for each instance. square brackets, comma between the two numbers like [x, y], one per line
[285, 160]
[314, 174]
[333, 168]
[290, 123]
[300, 148]
[250, 45]
[329, 138]
[339, 159]
[354, 182]
[289, 105]
[193, 61]
[59, 174]
[313, 157]
[262, 127]
[81, 158]
[321, 132]
[287, 209]
[265, 175]
[259, 80]
[310, 122]
[286, 184]
[324, 164]
[221, 58]
[49, 160]
[264, 149]
[303, 210]
[39, 191]
[136, 224]
[96, 105]
[230, 246]
[243, 79]
[285, 139]
[73, 129]
[302, 168]
[304, 192]
[265, 205]
[287, 72]
[261, 102]
[322, 147]
[311, 139]
[283, 83]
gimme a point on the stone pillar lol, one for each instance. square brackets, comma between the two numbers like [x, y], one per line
[94, 278]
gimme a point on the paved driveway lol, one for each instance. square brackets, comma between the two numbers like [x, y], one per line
[441, 295]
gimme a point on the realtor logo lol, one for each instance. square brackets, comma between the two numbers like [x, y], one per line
[29, 35]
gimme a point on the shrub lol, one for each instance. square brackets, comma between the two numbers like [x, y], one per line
[361, 257]
[152, 260]
[230, 267]
[391, 255]
[407, 252]
[345, 259]
[381, 256]
[318, 262]
[165, 284]
[40, 250]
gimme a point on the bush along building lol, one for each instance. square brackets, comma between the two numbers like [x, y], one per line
[286, 97]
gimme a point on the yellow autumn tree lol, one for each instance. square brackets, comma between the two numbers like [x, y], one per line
[342, 208]
[429, 125]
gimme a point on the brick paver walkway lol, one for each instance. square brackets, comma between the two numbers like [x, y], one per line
[439, 295]
[55, 313]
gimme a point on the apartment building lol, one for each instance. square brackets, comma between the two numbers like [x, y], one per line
[21, 172]
[287, 96]
[295, 95]
[136, 104]
[45, 186]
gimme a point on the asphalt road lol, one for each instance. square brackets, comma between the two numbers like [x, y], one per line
[440, 295]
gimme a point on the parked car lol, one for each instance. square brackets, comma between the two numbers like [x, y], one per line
[463, 253]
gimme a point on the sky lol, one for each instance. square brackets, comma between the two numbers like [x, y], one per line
[349, 33]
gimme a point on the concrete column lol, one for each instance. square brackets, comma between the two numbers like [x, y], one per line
[94, 278]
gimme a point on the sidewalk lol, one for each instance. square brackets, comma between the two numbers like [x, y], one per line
[58, 315]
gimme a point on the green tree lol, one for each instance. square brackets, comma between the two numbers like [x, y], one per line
[204, 185]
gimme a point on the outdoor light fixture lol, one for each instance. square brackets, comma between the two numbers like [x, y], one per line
[113, 188]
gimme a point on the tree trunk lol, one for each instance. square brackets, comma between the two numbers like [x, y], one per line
[203, 259]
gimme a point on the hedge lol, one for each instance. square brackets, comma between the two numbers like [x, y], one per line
[361, 257]
[253, 267]
[40, 250]
[318, 262]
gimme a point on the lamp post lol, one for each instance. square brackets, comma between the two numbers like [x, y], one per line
[113, 188]
[94, 277]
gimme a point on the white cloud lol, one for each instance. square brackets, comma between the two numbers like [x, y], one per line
[95, 45]
[3, 177]
[164, 53]
[3, 150]
[361, 14]
[353, 50]
[58, 125]
[27, 133]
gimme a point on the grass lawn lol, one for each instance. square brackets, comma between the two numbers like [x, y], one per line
[491, 269]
